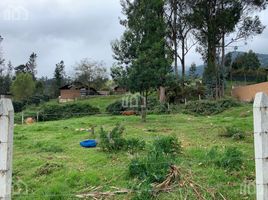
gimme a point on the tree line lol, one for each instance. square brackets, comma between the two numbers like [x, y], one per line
[23, 84]
[160, 33]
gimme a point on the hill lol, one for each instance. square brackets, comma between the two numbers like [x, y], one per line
[263, 58]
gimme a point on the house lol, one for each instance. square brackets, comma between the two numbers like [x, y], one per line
[71, 93]
[247, 93]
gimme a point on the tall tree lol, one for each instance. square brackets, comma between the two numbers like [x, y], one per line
[23, 86]
[180, 28]
[209, 18]
[29, 67]
[59, 75]
[149, 61]
[91, 73]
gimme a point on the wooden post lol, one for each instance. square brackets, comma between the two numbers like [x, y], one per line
[37, 116]
[6, 147]
[22, 118]
[260, 110]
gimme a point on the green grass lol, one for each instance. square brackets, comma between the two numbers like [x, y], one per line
[49, 160]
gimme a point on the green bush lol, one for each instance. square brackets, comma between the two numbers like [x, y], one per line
[115, 108]
[153, 167]
[161, 108]
[113, 141]
[205, 107]
[18, 106]
[168, 145]
[230, 159]
[64, 111]
[133, 145]
[231, 132]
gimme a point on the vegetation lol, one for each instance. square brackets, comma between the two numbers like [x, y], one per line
[63, 111]
[206, 107]
[70, 169]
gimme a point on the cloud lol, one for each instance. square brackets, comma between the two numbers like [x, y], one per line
[71, 30]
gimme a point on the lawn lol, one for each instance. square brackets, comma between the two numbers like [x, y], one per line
[50, 162]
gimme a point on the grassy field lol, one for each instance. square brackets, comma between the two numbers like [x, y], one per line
[49, 162]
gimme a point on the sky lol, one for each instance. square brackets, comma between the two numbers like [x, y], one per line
[71, 30]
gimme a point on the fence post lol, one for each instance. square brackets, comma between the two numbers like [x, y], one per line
[37, 117]
[22, 117]
[260, 110]
[6, 147]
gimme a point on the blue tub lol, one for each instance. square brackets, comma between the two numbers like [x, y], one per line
[89, 143]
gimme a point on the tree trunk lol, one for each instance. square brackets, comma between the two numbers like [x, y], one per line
[144, 106]
[183, 60]
[175, 39]
[162, 94]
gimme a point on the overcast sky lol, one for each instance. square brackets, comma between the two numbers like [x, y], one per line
[71, 30]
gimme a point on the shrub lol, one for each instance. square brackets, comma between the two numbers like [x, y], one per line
[231, 132]
[205, 107]
[133, 145]
[112, 141]
[64, 111]
[115, 108]
[230, 159]
[18, 106]
[153, 167]
[168, 145]
[161, 108]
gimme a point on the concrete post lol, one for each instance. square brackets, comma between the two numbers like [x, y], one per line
[260, 110]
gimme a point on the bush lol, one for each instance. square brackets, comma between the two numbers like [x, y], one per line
[64, 111]
[133, 145]
[205, 107]
[161, 108]
[153, 167]
[231, 132]
[113, 141]
[18, 106]
[115, 108]
[230, 159]
[168, 145]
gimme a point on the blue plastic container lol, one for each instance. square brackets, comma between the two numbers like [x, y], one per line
[89, 143]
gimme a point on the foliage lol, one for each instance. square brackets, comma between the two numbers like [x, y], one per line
[168, 145]
[23, 87]
[247, 61]
[115, 108]
[232, 132]
[206, 107]
[91, 73]
[59, 75]
[114, 141]
[230, 159]
[153, 167]
[192, 72]
[146, 53]
[64, 111]
[29, 67]
[18, 106]
[119, 76]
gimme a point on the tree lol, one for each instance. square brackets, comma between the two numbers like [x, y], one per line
[59, 75]
[23, 87]
[119, 76]
[29, 67]
[147, 53]
[180, 28]
[91, 73]
[192, 71]
[209, 19]
[247, 61]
